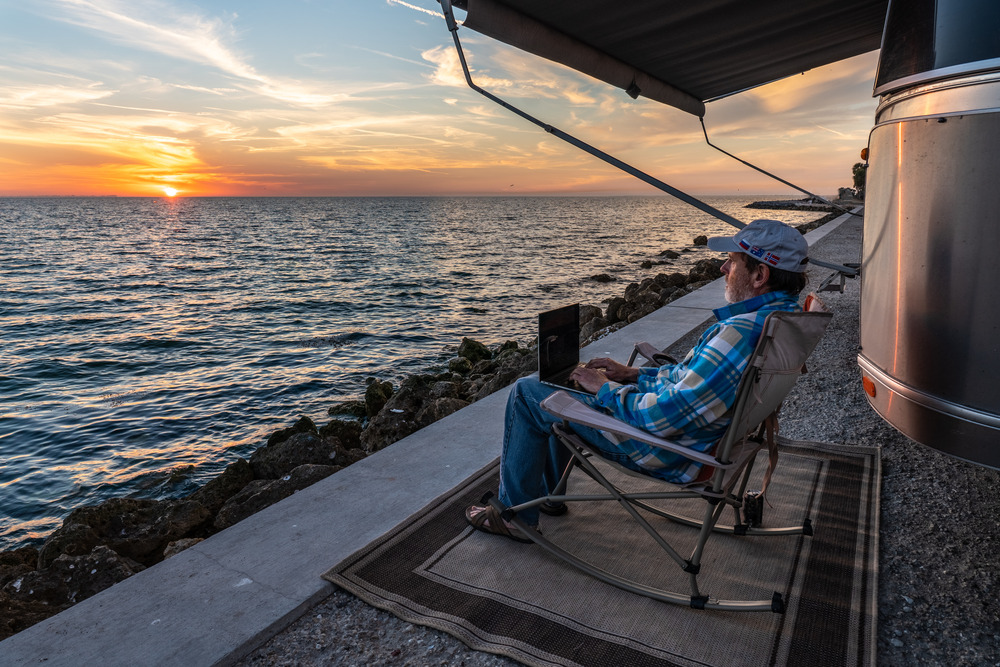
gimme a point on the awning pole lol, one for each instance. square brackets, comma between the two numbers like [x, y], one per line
[770, 175]
[449, 18]
[596, 152]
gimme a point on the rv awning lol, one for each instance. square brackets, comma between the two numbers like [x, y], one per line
[680, 52]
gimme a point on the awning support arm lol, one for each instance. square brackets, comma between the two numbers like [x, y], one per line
[770, 175]
[449, 17]
[596, 152]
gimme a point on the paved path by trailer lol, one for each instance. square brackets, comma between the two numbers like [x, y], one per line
[939, 549]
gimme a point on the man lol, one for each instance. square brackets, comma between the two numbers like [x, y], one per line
[685, 402]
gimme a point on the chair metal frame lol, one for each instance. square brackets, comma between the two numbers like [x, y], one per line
[778, 359]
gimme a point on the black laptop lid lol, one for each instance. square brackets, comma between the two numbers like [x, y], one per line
[558, 340]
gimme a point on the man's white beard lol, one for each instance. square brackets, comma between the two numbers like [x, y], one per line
[738, 290]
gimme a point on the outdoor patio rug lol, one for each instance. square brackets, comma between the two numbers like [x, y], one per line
[513, 599]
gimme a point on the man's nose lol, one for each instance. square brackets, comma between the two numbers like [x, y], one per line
[725, 266]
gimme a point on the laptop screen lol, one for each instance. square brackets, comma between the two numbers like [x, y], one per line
[558, 340]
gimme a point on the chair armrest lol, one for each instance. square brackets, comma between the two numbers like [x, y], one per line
[564, 406]
[652, 354]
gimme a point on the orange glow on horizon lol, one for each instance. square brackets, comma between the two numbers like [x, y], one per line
[139, 136]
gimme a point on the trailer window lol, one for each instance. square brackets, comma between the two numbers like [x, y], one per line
[923, 36]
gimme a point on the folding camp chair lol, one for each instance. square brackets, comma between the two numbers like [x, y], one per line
[777, 361]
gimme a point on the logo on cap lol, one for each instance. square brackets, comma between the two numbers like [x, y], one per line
[756, 251]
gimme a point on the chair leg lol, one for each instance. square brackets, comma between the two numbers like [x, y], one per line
[560, 488]
[581, 453]
[576, 448]
[695, 601]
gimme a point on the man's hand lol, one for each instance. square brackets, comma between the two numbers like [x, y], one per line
[590, 379]
[615, 371]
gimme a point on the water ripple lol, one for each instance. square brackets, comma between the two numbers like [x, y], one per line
[148, 342]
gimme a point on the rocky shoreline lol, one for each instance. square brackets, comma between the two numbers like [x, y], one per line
[98, 546]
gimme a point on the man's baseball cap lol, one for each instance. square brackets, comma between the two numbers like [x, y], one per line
[770, 241]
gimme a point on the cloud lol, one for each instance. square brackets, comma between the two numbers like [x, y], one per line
[394, 57]
[30, 97]
[413, 7]
[187, 36]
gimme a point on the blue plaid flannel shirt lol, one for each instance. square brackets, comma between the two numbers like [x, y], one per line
[687, 402]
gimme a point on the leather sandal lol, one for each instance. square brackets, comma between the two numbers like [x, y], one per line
[487, 519]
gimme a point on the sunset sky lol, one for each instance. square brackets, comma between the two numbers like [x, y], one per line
[301, 97]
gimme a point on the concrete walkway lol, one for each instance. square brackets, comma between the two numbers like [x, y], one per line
[220, 599]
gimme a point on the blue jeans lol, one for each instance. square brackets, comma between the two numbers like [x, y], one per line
[532, 459]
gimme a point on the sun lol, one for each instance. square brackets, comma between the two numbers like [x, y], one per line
[170, 192]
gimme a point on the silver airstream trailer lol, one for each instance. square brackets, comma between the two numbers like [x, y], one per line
[930, 323]
[930, 320]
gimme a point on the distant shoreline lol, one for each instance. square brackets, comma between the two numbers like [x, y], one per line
[498, 195]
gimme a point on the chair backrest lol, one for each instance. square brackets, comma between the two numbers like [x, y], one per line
[776, 363]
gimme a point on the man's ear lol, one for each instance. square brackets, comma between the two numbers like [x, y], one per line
[761, 276]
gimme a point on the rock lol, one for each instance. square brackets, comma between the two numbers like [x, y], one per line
[591, 327]
[483, 367]
[347, 432]
[670, 254]
[470, 388]
[443, 389]
[701, 240]
[666, 293]
[649, 297]
[262, 493]
[17, 615]
[303, 425]
[349, 409]
[70, 579]
[274, 461]
[508, 369]
[346, 457]
[705, 269]
[178, 546]
[587, 313]
[473, 350]
[460, 365]
[600, 333]
[646, 264]
[676, 294]
[440, 408]
[697, 285]
[398, 418]
[675, 280]
[136, 529]
[614, 306]
[72, 539]
[17, 562]
[224, 486]
[377, 394]
[625, 311]
[505, 355]
[602, 278]
[631, 291]
[638, 314]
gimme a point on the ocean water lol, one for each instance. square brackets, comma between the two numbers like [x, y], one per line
[147, 343]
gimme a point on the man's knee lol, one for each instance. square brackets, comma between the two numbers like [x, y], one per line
[530, 388]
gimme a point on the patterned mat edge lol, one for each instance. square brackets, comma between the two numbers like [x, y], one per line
[409, 611]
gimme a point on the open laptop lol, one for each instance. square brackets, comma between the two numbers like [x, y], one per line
[559, 347]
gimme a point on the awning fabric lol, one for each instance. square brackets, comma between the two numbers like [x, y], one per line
[683, 52]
